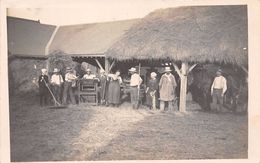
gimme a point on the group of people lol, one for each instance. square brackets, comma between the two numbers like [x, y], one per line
[159, 92]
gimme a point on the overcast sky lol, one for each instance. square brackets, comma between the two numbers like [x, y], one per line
[66, 12]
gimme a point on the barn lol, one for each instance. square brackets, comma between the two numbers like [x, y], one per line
[33, 46]
[27, 40]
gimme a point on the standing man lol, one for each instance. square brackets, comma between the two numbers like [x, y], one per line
[56, 82]
[218, 89]
[167, 87]
[89, 75]
[103, 86]
[43, 90]
[135, 83]
[70, 77]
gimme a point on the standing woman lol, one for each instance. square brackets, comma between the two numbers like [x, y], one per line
[167, 87]
[114, 88]
[152, 92]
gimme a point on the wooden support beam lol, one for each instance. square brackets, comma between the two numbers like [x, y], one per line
[183, 73]
[184, 68]
[111, 66]
[100, 66]
[177, 69]
[243, 68]
[107, 65]
[192, 67]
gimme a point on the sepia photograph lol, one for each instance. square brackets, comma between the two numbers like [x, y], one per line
[166, 83]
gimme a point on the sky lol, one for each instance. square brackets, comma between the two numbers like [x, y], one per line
[68, 12]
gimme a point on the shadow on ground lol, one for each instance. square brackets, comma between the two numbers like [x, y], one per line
[81, 133]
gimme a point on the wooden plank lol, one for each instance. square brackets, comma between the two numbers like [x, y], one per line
[177, 69]
[192, 67]
[107, 64]
[111, 66]
[184, 67]
[99, 65]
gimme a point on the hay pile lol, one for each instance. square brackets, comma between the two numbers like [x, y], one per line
[61, 60]
[24, 72]
[192, 34]
[23, 75]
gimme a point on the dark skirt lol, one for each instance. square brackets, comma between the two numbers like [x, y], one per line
[153, 85]
[114, 92]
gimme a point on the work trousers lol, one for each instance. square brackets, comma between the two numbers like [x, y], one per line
[68, 90]
[56, 90]
[217, 100]
[162, 105]
[44, 96]
[134, 97]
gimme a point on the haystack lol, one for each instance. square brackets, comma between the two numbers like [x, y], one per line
[192, 34]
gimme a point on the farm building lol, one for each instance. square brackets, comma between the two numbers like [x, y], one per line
[26, 52]
[190, 35]
[33, 45]
[199, 38]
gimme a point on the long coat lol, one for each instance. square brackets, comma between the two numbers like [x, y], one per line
[167, 87]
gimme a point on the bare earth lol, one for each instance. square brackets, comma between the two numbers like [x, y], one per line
[105, 133]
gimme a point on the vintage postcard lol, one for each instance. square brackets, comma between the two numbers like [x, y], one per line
[130, 81]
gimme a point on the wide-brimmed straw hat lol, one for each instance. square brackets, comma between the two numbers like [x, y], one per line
[44, 70]
[167, 69]
[68, 69]
[132, 69]
[153, 74]
[56, 70]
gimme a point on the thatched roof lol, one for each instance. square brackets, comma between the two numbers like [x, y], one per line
[193, 34]
[27, 38]
[89, 39]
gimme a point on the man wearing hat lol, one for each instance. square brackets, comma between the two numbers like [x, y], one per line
[135, 83]
[218, 89]
[70, 77]
[167, 87]
[56, 82]
[88, 75]
[103, 86]
[43, 90]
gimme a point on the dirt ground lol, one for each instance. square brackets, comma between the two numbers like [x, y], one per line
[106, 133]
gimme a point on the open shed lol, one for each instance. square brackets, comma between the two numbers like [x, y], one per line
[190, 35]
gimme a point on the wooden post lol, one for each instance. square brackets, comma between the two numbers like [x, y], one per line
[183, 74]
[107, 65]
[184, 67]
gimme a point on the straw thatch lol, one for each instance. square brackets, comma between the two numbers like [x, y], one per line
[193, 34]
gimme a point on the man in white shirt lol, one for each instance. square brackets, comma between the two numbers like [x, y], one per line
[135, 83]
[88, 75]
[70, 77]
[56, 82]
[218, 89]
